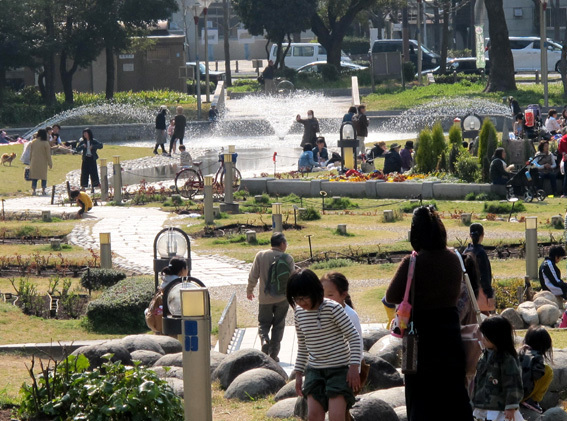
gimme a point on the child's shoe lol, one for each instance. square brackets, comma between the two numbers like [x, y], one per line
[533, 405]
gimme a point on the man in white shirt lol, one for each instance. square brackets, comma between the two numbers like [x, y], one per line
[551, 124]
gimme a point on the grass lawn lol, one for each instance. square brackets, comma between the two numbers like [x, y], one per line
[13, 182]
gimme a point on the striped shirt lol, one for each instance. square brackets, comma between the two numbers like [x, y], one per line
[326, 337]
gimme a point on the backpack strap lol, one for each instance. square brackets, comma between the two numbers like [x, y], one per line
[470, 290]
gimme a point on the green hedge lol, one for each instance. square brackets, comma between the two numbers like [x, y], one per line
[97, 279]
[120, 309]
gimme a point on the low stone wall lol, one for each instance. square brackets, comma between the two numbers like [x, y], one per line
[375, 189]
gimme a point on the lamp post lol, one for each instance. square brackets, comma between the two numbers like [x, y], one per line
[196, 11]
[531, 247]
[277, 219]
[543, 49]
[103, 180]
[208, 193]
[207, 88]
[117, 178]
[105, 251]
[348, 143]
[419, 42]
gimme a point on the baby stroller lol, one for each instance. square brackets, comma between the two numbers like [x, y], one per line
[524, 184]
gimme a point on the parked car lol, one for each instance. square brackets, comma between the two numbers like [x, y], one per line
[316, 67]
[430, 60]
[526, 53]
[302, 53]
[466, 65]
[214, 76]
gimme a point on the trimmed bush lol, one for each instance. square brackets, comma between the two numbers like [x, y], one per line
[309, 214]
[466, 167]
[424, 157]
[97, 279]
[120, 308]
[488, 140]
[341, 203]
[439, 146]
[455, 146]
[503, 207]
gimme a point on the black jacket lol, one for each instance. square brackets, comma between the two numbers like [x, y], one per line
[550, 278]
[484, 268]
[392, 162]
[160, 121]
[82, 147]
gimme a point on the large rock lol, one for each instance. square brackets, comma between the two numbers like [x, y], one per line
[371, 408]
[554, 414]
[528, 313]
[254, 383]
[548, 315]
[382, 374]
[177, 385]
[168, 372]
[94, 353]
[216, 359]
[402, 413]
[169, 345]
[530, 415]
[369, 338]
[170, 360]
[243, 360]
[548, 295]
[388, 348]
[558, 385]
[396, 396]
[288, 391]
[514, 318]
[282, 409]
[147, 358]
[540, 301]
[141, 343]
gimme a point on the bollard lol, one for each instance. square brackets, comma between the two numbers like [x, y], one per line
[228, 173]
[105, 252]
[216, 211]
[258, 198]
[537, 77]
[216, 65]
[531, 248]
[53, 195]
[208, 206]
[46, 216]
[251, 237]
[466, 218]
[277, 219]
[55, 243]
[388, 216]
[117, 173]
[341, 229]
[236, 71]
[103, 180]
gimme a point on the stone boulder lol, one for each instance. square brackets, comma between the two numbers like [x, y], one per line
[514, 318]
[402, 413]
[554, 414]
[382, 374]
[147, 358]
[371, 408]
[548, 295]
[216, 359]
[174, 372]
[288, 391]
[388, 348]
[396, 396]
[530, 415]
[243, 360]
[254, 383]
[94, 353]
[369, 338]
[176, 385]
[558, 385]
[141, 343]
[168, 344]
[282, 409]
[548, 315]
[540, 301]
[528, 313]
[160, 371]
[170, 360]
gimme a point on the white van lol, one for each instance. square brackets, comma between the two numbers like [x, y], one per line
[302, 53]
[527, 57]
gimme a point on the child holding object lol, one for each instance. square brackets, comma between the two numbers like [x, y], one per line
[536, 375]
[83, 200]
[498, 382]
[185, 159]
[328, 349]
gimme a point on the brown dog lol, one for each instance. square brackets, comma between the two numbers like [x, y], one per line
[8, 157]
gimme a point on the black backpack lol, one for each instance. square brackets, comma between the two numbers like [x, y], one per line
[356, 122]
[278, 276]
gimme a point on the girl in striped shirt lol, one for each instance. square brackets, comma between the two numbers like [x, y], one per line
[328, 349]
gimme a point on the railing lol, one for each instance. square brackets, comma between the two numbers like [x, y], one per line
[227, 324]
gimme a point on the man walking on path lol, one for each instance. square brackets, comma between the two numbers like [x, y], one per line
[272, 308]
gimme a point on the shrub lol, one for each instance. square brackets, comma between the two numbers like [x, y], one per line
[309, 214]
[438, 146]
[506, 293]
[341, 203]
[120, 308]
[487, 145]
[408, 207]
[424, 158]
[332, 264]
[291, 198]
[466, 167]
[503, 207]
[455, 146]
[112, 392]
[470, 196]
[97, 279]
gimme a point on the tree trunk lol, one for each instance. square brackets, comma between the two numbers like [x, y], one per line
[2, 83]
[501, 60]
[109, 72]
[49, 60]
[437, 28]
[226, 28]
[555, 20]
[405, 35]
[445, 39]
[67, 77]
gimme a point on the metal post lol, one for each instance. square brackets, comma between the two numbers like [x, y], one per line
[228, 172]
[207, 88]
[277, 220]
[197, 70]
[208, 192]
[117, 179]
[531, 247]
[543, 50]
[105, 252]
[103, 180]
[419, 42]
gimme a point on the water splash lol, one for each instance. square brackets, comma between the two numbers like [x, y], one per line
[426, 115]
[98, 114]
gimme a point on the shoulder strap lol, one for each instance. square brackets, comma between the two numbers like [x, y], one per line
[469, 288]
[409, 282]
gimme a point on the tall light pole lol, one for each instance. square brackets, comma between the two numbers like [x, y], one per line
[196, 10]
[543, 49]
[207, 88]
[419, 38]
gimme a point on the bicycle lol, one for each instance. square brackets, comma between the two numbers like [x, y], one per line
[284, 86]
[190, 181]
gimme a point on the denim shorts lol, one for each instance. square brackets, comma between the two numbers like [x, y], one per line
[325, 383]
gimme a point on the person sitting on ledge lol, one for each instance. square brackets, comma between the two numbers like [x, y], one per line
[499, 172]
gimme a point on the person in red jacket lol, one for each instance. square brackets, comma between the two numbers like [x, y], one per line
[562, 152]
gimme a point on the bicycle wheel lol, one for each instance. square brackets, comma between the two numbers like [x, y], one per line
[188, 182]
[285, 87]
[236, 179]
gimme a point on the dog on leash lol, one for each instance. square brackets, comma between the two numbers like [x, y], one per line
[8, 157]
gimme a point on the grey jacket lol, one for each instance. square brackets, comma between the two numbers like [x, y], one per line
[259, 271]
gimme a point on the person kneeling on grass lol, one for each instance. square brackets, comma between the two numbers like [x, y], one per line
[83, 200]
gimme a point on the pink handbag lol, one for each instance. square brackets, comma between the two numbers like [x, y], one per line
[403, 312]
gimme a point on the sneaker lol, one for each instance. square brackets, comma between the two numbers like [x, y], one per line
[533, 405]
[33, 193]
[155, 152]
[43, 192]
[165, 154]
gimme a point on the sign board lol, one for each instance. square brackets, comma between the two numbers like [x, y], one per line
[387, 64]
[244, 37]
[397, 27]
[128, 67]
[126, 56]
[213, 35]
[479, 40]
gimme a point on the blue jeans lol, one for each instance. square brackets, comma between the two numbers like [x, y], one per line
[34, 184]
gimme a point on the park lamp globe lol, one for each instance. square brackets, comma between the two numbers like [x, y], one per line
[171, 243]
[347, 131]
